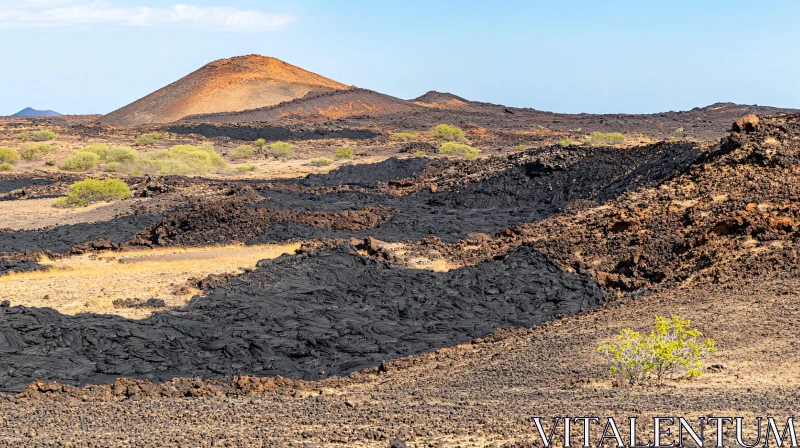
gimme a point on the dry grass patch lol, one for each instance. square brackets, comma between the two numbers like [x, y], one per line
[91, 282]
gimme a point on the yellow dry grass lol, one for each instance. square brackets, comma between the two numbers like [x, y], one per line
[90, 283]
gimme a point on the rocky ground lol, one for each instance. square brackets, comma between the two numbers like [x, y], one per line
[608, 237]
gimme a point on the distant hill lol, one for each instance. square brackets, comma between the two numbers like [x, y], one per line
[224, 86]
[28, 112]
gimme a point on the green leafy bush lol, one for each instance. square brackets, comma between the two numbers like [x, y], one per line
[9, 155]
[679, 130]
[405, 136]
[322, 161]
[468, 152]
[671, 348]
[449, 133]
[121, 154]
[22, 136]
[5, 167]
[419, 154]
[85, 192]
[260, 143]
[245, 168]
[98, 149]
[34, 151]
[522, 147]
[149, 139]
[344, 153]
[184, 160]
[281, 149]
[44, 135]
[566, 142]
[611, 138]
[80, 161]
[241, 152]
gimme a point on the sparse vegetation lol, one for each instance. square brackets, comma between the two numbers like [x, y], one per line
[419, 154]
[671, 348]
[281, 149]
[521, 147]
[405, 136]
[245, 168]
[467, 152]
[260, 143]
[9, 155]
[44, 135]
[149, 139]
[322, 161]
[5, 167]
[85, 192]
[344, 153]
[34, 151]
[611, 138]
[22, 136]
[99, 149]
[566, 142]
[241, 152]
[121, 154]
[679, 130]
[80, 161]
[449, 133]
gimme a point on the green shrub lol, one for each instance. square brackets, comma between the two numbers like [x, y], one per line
[260, 143]
[44, 135]
[566, 142]
[98, 149]
[611, 138]
[245, 168]
[183, 160]
[344, 153]
[679, 130]
[671, 348]
[522, 147]
[146, 140]
[419, 154]
[449, 133]
[322, 161]
[5, 167]
[9, 155]
[85, 192]
[121, 154]
[22, 136]
[34, 151]
[281, 149]
[241, 152]
[405, 136]
[468, 152]
[80, 161]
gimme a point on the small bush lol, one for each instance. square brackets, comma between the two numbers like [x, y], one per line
[405, 136]
[22, 136]
[146, 140]
[449, 133]
[419, 154]
[241, 152]
[245, 168]
[5, 167]
[468, 152]
[611, 138]
[9, 155]
[671, 348]
[98, 149]
[566, 142]
[184, 160]
[281, 149]
[344, 153]
[34, 151]
[322, 161]
[679, 130]
[44, 135]
[80, 161]
[121, 154]
[522, 147]
[85, 192]
[260, 143]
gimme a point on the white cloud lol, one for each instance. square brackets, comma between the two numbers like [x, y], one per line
[72, 13]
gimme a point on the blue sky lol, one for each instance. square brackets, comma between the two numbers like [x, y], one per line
[89, 56]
